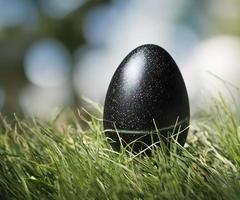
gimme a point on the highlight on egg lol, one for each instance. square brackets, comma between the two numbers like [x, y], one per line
[146, 102]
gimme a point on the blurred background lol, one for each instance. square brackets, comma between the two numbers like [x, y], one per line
[54, 52]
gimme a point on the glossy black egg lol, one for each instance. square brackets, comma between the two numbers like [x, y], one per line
[146, 101]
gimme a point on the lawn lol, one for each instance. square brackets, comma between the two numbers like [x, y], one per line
[69, 158]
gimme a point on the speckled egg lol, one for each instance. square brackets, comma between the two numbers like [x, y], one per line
[146, 101]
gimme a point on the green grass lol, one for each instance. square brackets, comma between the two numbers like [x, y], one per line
[62, 160]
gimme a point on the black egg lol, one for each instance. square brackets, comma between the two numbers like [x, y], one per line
[146, 101]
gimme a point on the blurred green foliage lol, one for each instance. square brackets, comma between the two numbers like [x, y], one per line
[14, 40]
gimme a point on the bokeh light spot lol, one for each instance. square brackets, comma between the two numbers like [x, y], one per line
[60, 8]
[44, 102]
[15, 12]
[47, 63]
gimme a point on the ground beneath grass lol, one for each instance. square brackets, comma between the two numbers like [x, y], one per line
[61, 160]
